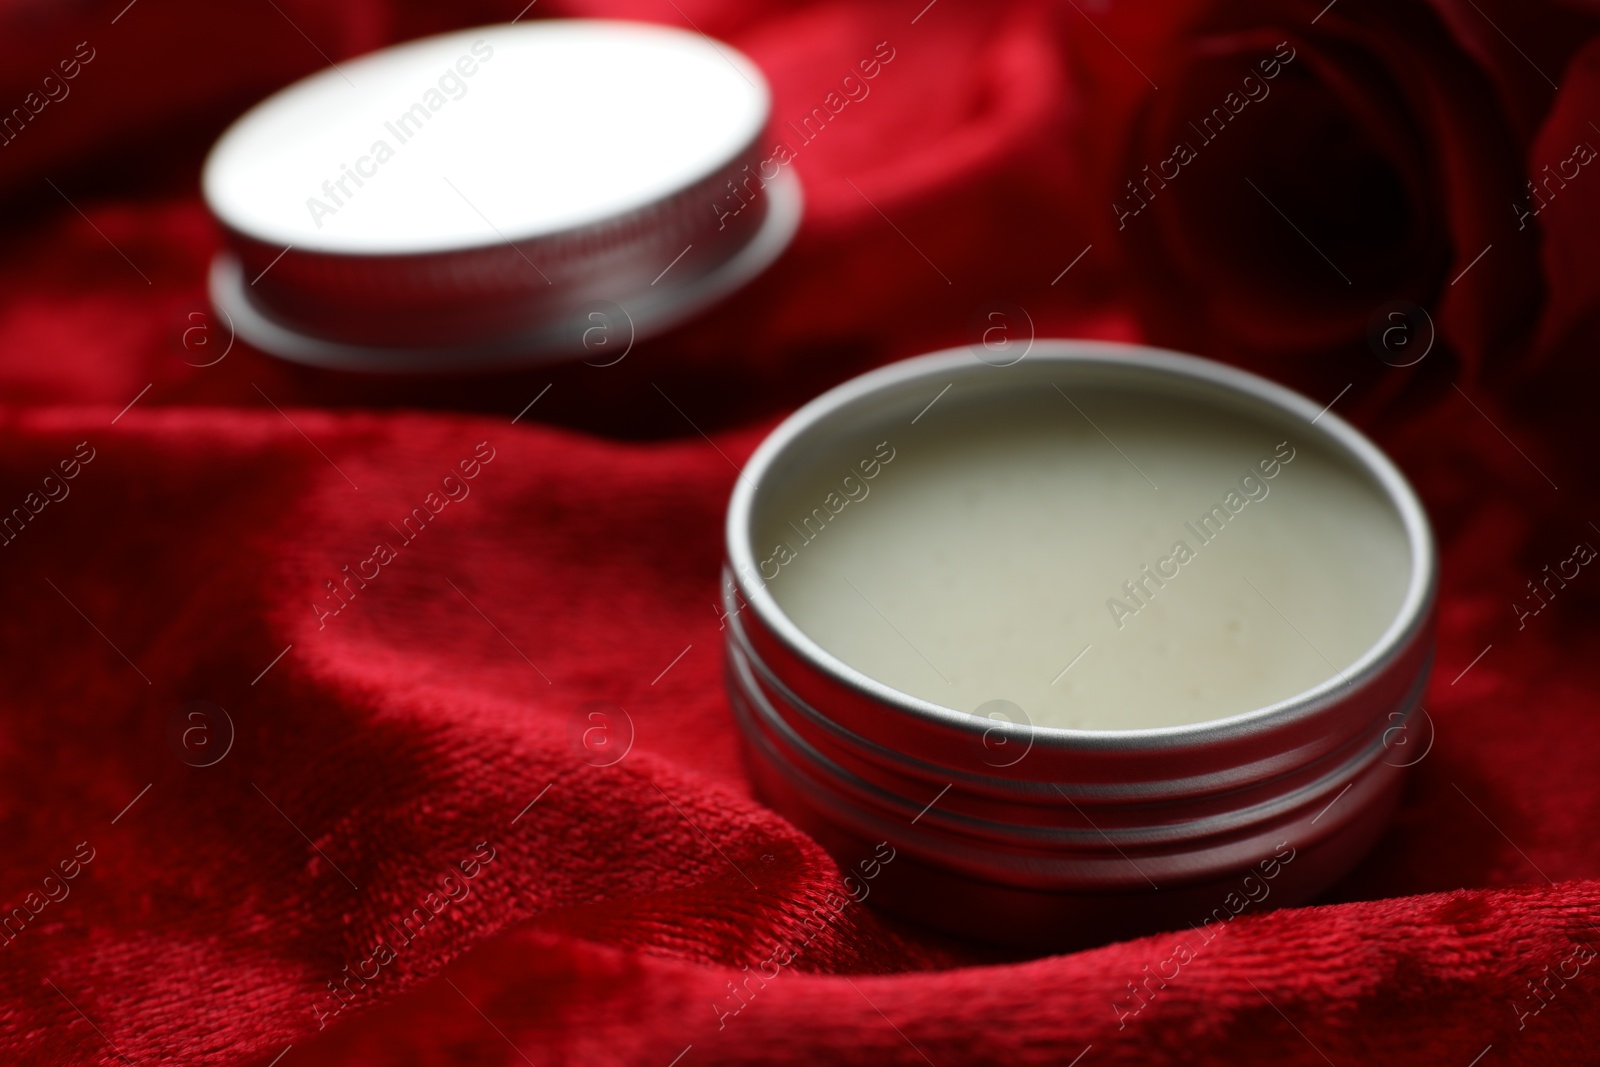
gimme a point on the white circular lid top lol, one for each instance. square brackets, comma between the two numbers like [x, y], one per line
[473, 138]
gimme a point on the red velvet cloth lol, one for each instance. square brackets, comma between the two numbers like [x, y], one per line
[415, 750]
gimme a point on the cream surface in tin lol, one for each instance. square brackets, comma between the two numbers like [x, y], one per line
[1102, 560]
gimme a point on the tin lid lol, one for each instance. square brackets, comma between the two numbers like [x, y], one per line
[475, 199]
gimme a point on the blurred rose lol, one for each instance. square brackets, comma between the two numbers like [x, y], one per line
[1302, 165]
[1564, 204]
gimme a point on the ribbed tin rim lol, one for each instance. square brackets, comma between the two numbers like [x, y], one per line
[647, 316]
[767, 692]
[1333, 431]
[859, 791]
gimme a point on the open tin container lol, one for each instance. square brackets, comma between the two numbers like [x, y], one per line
[1009, 829]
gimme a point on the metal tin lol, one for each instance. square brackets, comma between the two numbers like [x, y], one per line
[1046, 837]
[580, 179]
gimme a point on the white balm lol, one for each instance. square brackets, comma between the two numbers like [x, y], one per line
[1102, 557]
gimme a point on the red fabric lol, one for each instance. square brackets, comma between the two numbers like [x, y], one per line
[403, 739]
